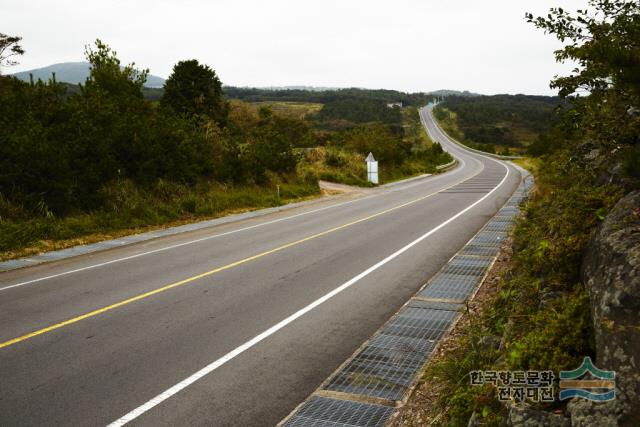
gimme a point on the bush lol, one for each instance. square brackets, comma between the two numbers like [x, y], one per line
[378, 139]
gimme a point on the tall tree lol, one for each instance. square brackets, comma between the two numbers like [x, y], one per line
[605, 43]
[109, 76]
[195, 89]
[9, 47]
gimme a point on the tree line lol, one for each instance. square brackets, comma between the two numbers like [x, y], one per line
[504, 120]
[381, 96]
[59, 149]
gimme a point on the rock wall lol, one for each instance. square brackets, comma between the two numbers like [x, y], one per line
[611, 273]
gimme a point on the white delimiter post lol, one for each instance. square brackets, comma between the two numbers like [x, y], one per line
[372, 169]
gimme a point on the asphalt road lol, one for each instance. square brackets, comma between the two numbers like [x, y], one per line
[235, 324]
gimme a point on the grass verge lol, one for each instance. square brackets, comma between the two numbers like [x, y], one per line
[538, 317]
[131, 210]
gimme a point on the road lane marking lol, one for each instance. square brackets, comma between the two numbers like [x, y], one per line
[190, 242]
[211, 272]
[202, 239]
[275, 328]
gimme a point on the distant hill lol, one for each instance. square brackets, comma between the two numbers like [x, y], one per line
[447, 92]
[291, 94]
[74, 73]
[307, 88]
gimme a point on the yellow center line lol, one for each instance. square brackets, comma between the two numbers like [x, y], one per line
[211, 272]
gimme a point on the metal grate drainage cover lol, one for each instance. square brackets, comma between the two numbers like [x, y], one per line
[327, 412]
[490, 239]
[445, 286]
[498, 226]
[386, 366]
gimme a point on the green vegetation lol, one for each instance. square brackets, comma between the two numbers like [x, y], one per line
[352, 123]
[102, 159]
[9, 48]
[348, 124]
[335, 165]
[413, 129]
[448, 121]
[107, 157]
[541, 310]
[500, 123]
[298, 110]
[193, 89]
[342, 108]
[74, 73]
[380, 96]
[130, 208]
[341, 159]
[359, 111]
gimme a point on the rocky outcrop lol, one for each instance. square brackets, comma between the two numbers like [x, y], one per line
[611, 273]
[522, 415]
[603, 164]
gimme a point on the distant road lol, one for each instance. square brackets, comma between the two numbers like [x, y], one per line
[234, 324]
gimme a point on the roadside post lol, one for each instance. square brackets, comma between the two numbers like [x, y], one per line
[372, 169]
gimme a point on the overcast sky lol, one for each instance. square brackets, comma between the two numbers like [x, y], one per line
[411, 45]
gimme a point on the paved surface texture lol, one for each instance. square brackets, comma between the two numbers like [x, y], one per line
[380, 375]
[234, 324]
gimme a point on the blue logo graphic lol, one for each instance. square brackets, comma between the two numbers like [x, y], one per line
[598, 385]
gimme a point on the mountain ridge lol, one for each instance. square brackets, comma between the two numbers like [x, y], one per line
[74, 73]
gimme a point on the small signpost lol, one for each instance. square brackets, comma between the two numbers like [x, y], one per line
[372, 169]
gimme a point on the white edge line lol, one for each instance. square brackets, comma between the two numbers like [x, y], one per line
[275, 328]
[64, 273]
[190, 242]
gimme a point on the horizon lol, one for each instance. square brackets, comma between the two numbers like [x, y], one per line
[304, 87]
[410, 47]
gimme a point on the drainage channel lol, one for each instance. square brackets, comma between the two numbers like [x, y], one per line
[367, 388]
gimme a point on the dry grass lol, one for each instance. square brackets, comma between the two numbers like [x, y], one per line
[298, 110]
[532, 164]
[135, 211]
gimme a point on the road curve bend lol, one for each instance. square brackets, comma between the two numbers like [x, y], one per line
[234, 324]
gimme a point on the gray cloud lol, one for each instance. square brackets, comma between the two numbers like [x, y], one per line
[412, 45]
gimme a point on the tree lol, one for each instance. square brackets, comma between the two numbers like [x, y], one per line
[9, 48]
[108, 76]
[269, 146]
[195, 89]
[379, 140]
[605, 43]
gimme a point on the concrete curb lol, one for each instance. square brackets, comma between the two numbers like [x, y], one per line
[61, 254]
[150, 235]
[447, 166]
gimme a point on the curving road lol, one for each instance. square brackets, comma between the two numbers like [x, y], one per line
[234, 324]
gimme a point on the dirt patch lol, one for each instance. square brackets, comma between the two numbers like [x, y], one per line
[329, 188]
